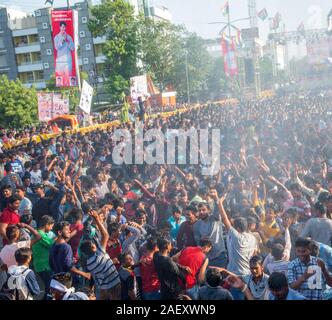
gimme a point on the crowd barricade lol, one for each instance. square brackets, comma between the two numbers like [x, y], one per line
[104, 126]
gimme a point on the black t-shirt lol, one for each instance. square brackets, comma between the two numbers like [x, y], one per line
[128, 283]
[41, 208]
[169, 274]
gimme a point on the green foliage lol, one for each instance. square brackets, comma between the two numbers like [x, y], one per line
[139, 45]
[116, 20]
[18, 105]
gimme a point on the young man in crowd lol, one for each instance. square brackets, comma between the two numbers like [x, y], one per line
[22, 281]
[150, 280]
[41, 251]
[305, 274]
[210, 226]
[195, 258]
[61, 254]
[107, 282]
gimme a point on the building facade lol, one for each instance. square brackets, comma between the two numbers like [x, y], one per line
[26, 48]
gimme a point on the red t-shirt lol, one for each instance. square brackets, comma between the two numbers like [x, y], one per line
[129, 212]
[150, 280]
[75, 241]
[114, 250]
[192, 257]
[9, 217]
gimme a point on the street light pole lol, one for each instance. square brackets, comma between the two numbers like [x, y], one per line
[187, 75]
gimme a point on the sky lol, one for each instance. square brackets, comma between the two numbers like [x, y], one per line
[197, 14]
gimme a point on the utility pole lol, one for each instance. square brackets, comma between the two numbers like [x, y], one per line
[187, 75]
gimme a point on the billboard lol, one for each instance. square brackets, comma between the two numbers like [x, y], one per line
[65, 42]
[138, 88]
[45, 103]
[318, 50]
[51, 105]
[86, 97]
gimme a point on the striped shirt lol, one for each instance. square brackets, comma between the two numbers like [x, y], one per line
[103, 270]
[311, 289]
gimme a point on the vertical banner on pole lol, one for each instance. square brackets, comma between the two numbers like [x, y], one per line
[65, 41]
[229, 54]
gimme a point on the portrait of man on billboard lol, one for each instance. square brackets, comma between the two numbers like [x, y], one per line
[64, 45]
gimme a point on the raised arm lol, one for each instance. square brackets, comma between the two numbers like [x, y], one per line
[222, 211]
[101, 228]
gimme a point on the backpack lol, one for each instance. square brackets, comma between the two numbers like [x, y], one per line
[17, 286]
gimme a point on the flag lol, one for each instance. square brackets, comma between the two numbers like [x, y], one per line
[276, 21]
[263, 14]
[225, 9]
[228, 50]
[329, 23]
[300, 29]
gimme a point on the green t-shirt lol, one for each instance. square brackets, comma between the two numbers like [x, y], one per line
[41, 252]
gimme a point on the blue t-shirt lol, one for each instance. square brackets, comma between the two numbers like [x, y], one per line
[175, 227]
[292, 295]
[61, 258]
[325, 253]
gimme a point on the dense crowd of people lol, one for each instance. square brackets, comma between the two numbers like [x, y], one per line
[76, 226]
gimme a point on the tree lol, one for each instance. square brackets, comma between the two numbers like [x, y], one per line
[161, 50]
[18, 105]
[216, 79]
[199, 65]
[116, 20]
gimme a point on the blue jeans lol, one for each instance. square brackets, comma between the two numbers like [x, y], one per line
[151, 295]
[237, 294]
[193, 292]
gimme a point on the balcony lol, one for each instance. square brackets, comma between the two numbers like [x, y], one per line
[27, 47]
[24, 32]
[100, 59]
[30, 66]
[99, 40]
[39, 84]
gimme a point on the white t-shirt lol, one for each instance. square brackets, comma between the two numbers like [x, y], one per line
[7, 254]
[36, 177]
[241, 247]
[278, 266]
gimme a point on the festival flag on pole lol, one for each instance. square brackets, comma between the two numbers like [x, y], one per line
[329, 23]
[225, 9]
[300, 29]
[263, 14]
[276, 21]
[228, 50]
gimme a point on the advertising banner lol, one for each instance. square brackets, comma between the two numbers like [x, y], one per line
[86, 97]
[60, 105]
[45, 104]
[64, 35]
[51, 105]
[138, 88]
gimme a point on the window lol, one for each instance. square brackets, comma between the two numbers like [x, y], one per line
[82, 34]
[46, 65]
[45, 25]
[49, 52]
[85, 61]
[88, 47]
[38, 13]
[84, 19]
[42, 39]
